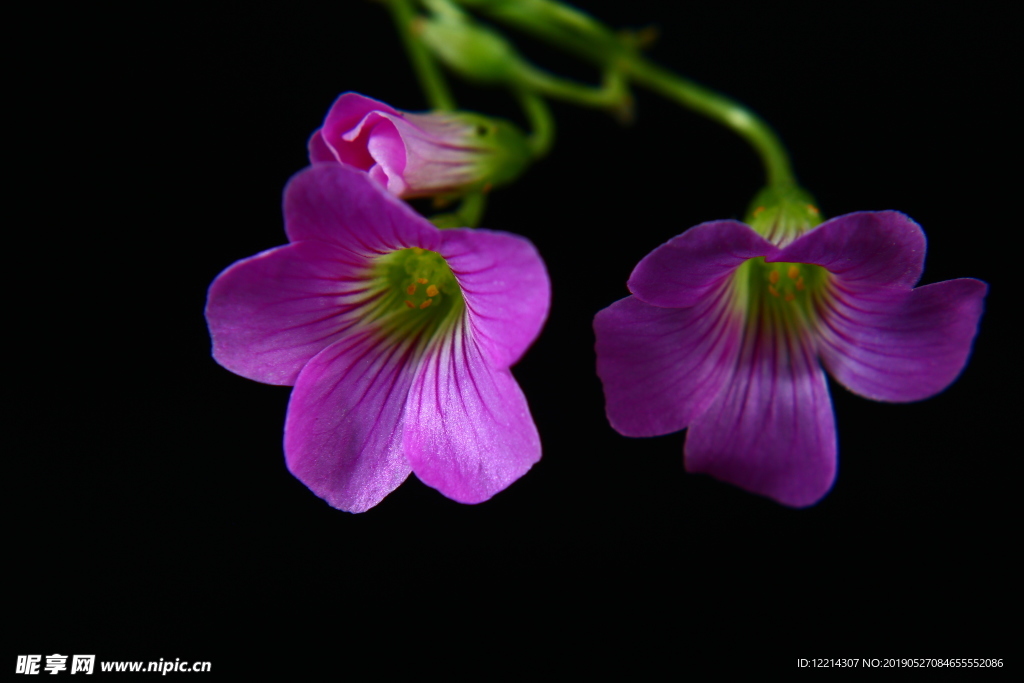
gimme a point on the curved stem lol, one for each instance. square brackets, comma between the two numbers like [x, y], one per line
[720, 108]
[430, 77]
[579, 34]
[542, 124]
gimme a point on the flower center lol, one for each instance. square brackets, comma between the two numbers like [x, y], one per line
[785, 292]
[418, 293]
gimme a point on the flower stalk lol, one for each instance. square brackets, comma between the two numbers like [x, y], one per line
[580, 34]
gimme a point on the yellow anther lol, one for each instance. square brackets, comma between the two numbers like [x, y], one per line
[411, 289]
[421, 280]
[800, 284]
[425, 304]
[432, 290]
[758, 210]
[790, 296]
[417, 251]
[773, 277]
[772, 290]
[793, 272]
[813, 209]
[410, 304]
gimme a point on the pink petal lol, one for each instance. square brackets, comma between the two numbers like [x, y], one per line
[269, 314]
[343, 433]
[341, 205]
[388, 151]
[346, 116]
[661, 367]
[506, 288]
[865, 249]
[682, 271]
[771, 431]
[468, 430]
[899, 345]
[319, 151]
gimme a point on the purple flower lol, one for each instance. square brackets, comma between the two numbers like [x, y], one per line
[724, 333]
[397, 336]
[416, 155]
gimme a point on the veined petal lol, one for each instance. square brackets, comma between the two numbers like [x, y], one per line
[342, 206]
[662, 367]
[864, 249]
[899, 345]
[468, 430]
[505, 286]
[771, 430]
[681, 272]
[271, 313]
[343, 433]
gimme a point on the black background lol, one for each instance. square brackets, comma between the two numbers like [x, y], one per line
[153, 516]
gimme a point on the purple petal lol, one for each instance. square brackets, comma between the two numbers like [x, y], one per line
[319, 151]
[386, 147]
[269, 314]
[897, 345]
[681, 272]
[341, 205]
[661, 367]
[506, 288]
[346, 114]
[468, 430]
[771, 431]
[343, 434]
[865, 249]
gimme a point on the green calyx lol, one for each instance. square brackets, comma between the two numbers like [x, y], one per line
[502, 149]
[473, 50]
[783, 293]
[781, 214]
[418, 294]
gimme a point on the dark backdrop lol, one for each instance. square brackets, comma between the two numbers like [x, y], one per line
[153, 515]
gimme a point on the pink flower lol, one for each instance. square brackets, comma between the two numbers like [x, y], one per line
[725, 330]
[416, 155]
[397, 336]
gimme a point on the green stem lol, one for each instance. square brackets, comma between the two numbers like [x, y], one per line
[542, 124]
[724, 110]
[579, 34]
[427, 71]
[468, 215]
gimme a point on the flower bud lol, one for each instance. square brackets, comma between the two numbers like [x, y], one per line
[419, 155]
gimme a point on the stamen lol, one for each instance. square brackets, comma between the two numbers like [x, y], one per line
[773, 277]
[758, 210]
[813, 209]
[425, 304]
[432, 290]
[410, 290]
[790, 296]
[421, 280]
[410, 304]
[800, 284]
[772, 290]
[793, 272]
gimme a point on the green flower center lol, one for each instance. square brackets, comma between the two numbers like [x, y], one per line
[417, 294]
[783, 292]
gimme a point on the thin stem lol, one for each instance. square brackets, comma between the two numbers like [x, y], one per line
[579, 34]
[608, 96]
[720, 108]
[432, 81]
[542, 124]
[468, 215]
